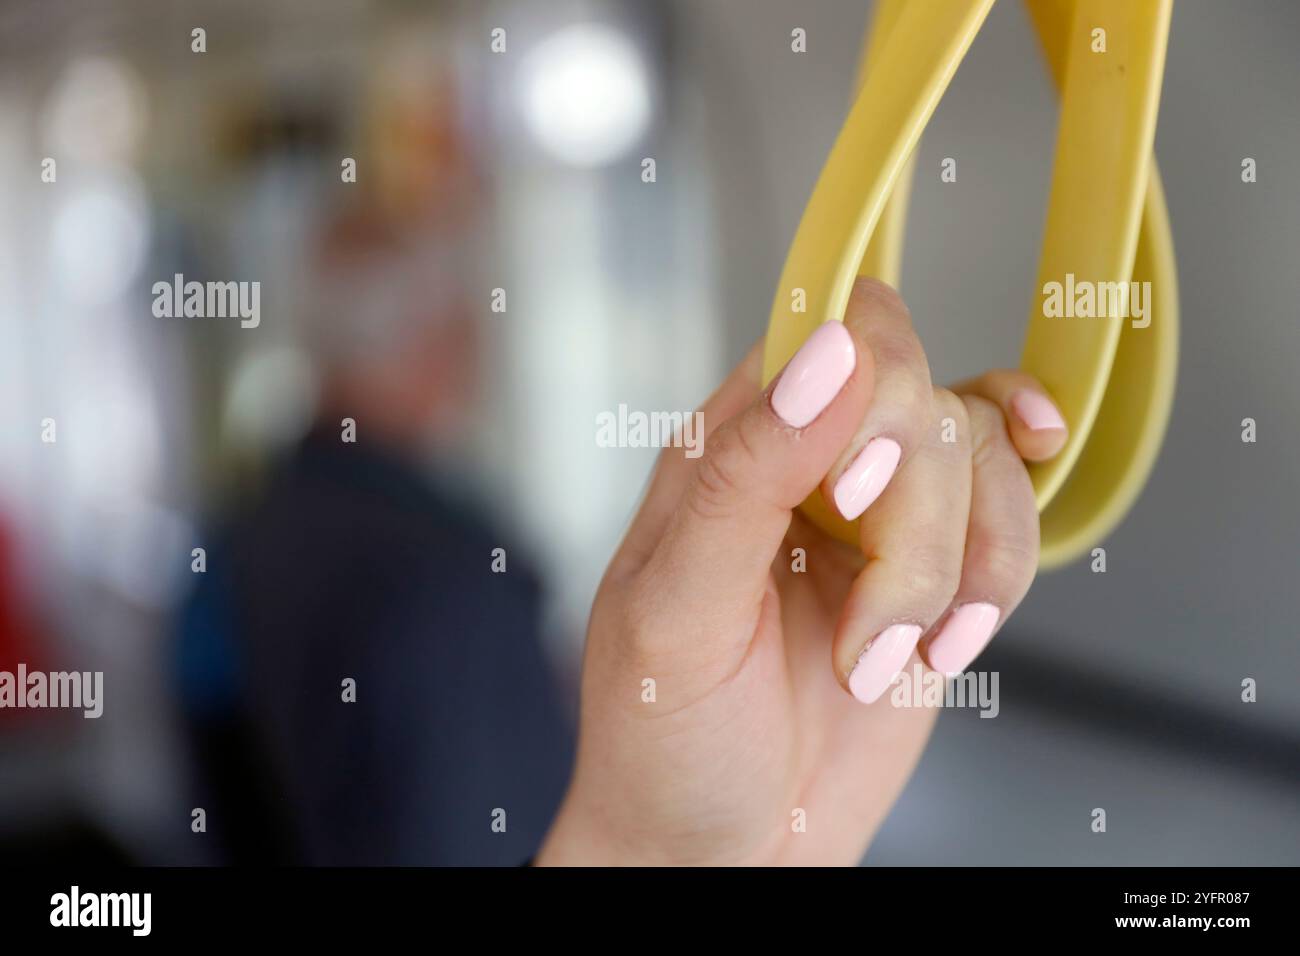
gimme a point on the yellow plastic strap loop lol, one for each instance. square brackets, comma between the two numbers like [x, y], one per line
[1106, 225]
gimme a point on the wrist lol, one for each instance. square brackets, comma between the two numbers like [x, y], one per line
[578, 838]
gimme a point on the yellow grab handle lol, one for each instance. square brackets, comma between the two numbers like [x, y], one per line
[1117, 408]
[897, 99]
[1130, 424]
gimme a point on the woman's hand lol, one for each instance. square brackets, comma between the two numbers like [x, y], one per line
[746, 724]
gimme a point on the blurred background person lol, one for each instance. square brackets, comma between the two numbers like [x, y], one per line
[358, 566]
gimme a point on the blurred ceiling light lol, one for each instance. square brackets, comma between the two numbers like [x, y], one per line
[586, 94]
[98, 239]
[96, 111]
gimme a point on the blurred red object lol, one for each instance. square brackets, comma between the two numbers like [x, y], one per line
[16, 639]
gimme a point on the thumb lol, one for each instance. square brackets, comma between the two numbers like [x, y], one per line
[717, 548]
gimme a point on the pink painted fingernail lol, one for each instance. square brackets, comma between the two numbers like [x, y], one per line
[1036, 411]
[962, 637]
[866, 477]
[881, 661]
[815, 375]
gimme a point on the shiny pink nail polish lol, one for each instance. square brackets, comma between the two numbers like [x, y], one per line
[866, 476]
[881, 661]
[815, 375]
[1036, 411]
[962, 637]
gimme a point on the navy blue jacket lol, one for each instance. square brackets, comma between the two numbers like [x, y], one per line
[353, 566]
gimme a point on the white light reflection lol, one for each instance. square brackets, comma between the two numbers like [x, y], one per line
[586, 94]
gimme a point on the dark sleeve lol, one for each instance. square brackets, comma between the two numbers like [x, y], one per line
[499, 746]
[456, 723]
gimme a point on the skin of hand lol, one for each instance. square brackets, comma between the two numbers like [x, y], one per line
[771, 684]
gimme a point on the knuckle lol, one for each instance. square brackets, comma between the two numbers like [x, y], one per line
[637, 612]
[714, 488]
[993, 380]
[981, 411]
[871, 291]
[949, 408]
[989, 436]
[719, 481]
[898, 352]
[1006, 559]
[931, 574]
[947, 404]
[904, 402]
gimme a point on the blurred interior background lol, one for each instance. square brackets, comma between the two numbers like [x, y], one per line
[523, 169]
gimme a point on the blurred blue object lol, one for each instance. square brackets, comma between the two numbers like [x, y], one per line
[352, 566]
